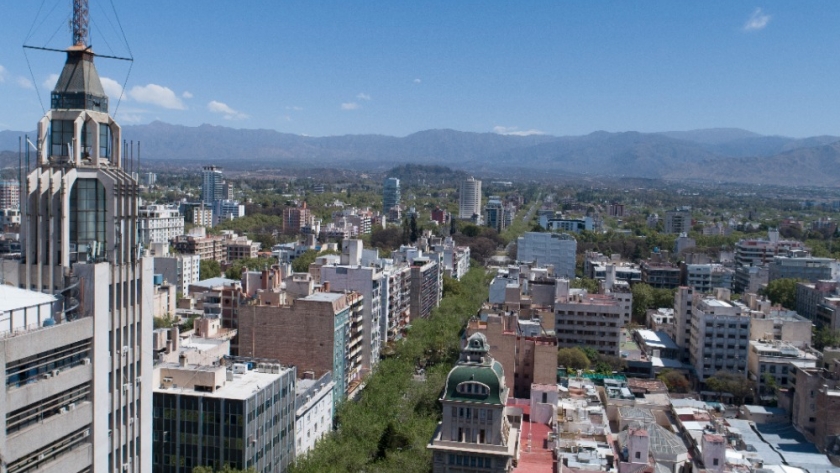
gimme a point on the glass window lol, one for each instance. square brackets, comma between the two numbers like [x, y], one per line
[87, 220]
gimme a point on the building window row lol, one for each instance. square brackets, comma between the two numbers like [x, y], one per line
[47, 364]
[470, 460]
[50, 452]
[46, 408]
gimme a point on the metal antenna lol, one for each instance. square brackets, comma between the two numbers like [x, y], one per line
[80, 22]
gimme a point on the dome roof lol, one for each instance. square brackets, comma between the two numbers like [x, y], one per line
[479, 383]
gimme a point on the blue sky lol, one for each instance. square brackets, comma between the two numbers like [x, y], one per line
[558, 67]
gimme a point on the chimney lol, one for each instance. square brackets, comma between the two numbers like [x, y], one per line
[325, 287]
[182, 360]
[175, 332]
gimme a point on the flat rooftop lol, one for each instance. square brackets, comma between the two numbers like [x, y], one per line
[214, 282]
[716, 303]
[324, 296]
[242, 387]
[12, 298]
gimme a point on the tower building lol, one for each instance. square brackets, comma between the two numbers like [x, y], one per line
[390, 194]
[79, 244]
[470, 198]
[213, 185]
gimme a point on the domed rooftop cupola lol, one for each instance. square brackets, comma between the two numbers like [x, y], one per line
[476, 349]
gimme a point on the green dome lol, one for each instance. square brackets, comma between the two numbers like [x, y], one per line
[478, 383]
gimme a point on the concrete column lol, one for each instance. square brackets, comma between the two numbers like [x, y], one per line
[42, 143]
[78, 124]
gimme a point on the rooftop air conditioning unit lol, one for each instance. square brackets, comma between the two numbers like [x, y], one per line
[85, 361]
[55, 372]
[71, 406]
[126, 386]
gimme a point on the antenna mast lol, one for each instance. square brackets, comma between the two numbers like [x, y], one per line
[80, 23]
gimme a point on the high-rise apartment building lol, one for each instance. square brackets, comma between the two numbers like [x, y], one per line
[390, 194]
[470, 198]
[159, 223]
[494, 214]
[677, 221]
[720, 333]
[212, 187]
[80, 243]
[9, 195]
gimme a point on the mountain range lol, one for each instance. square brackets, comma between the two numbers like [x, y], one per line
[719, 154]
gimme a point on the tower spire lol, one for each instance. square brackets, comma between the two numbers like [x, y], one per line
[80, 23]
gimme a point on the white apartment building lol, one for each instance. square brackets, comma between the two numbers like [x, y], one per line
[543, 249]
[719, 337]
[456, 259]
[367, 281]
[704, 278]
[181, 270]
[313, 411]
[469, 203]
[159, 223]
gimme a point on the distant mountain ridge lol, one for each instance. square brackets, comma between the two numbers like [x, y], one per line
[718, 154]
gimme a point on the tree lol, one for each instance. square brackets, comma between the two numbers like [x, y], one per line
[642, 300]
[730, 382]
[302, 262]
[451, 286]
[782, 291]
[591, 285]
[675, 381]
[572, 358]
[825, 337]
[209, 268]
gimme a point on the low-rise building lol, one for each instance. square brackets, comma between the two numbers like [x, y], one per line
[799, 264]
[771, 365]
[659, 273]
[809, 295]
[555, 250]
[198, 243]
[705, 278]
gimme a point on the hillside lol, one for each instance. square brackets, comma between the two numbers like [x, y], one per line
[732, 155]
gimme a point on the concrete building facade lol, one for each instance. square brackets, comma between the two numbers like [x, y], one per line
[159, 223]
[719, 337]
[556, 249]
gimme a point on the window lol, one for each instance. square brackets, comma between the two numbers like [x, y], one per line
[715, 462]
[638, 455]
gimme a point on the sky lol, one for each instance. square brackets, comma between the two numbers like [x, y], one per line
[324, 68]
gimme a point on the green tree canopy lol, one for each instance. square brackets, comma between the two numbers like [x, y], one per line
[675, 381]
[591, 285]
[209, 268]
[572, 358]
[782, 291]
[825, 337]
[730, 382]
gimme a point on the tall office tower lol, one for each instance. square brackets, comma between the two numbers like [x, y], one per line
[9, 195]
[470, 203]
[79, 244]
[213, 185]
[390, 194]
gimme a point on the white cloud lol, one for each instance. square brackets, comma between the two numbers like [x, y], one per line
[25, 83]
[349, 106]
[157, 95]
[515, 131]
[294, 107]
[363, 96]
[417, 81]
[2, 74]
[187, 94]
[757, 21]
[223, 108]
[113, 89]
[50, 82]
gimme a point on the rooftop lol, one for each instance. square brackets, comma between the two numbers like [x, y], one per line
[12, 298]
[242, 387]
[215, 282]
